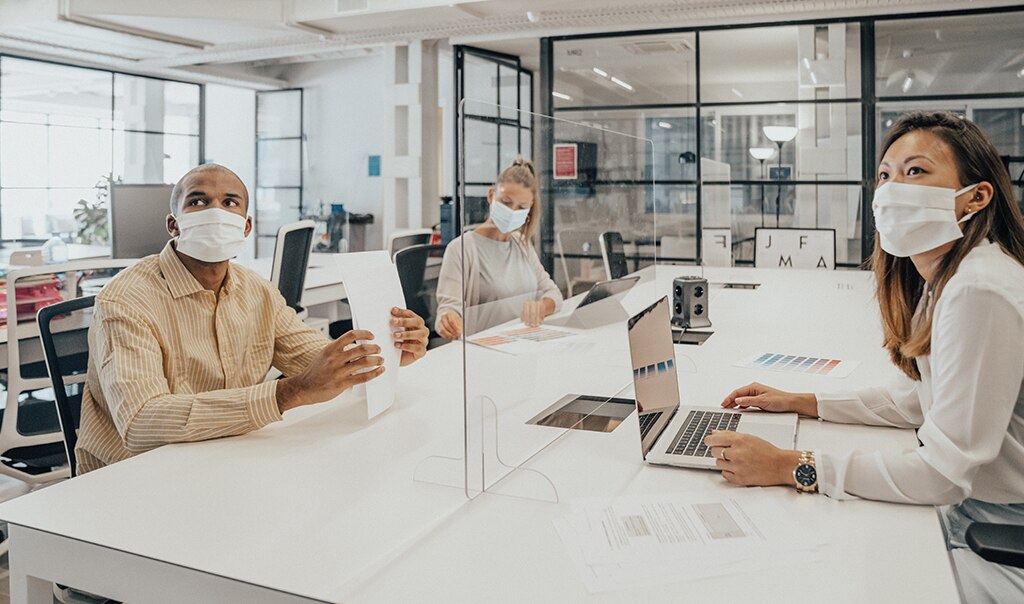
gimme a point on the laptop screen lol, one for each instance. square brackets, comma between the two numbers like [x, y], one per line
[607, 289]
[654, 370]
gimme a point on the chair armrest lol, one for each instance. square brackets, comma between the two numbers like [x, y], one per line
[999, 543]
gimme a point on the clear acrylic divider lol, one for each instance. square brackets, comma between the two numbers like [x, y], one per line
[593, 217]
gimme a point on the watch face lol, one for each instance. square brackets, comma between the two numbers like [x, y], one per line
[806, 475]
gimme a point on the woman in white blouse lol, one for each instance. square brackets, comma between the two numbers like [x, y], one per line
[949, 269]
[496, 263]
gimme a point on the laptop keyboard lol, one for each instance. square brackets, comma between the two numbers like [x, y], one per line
[698, 424]
[647, 422]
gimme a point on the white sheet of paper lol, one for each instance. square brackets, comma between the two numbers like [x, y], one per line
[642, 540]
[371, 282]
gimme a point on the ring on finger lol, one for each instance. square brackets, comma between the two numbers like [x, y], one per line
[724, 458]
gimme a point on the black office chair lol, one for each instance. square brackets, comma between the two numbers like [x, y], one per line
[402, 240]
[999, 543]
[67, 365]
[613, 251]
[291, 260]
[420, 292]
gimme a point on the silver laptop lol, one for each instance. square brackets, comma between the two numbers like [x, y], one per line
[673, 435]
[601, 306]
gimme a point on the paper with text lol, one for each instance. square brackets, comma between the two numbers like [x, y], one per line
[643, 540]
[373, 289]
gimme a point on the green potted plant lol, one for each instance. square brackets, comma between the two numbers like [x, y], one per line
[91, 216]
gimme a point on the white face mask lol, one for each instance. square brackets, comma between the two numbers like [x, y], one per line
[212, 235]
[912, 219]
[506, 219]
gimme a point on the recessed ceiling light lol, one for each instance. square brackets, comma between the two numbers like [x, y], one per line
[623, 84]
[601, 72]
[532, 17]
[665, 125]
[559, 95]
[737, 93]
[1020, 74]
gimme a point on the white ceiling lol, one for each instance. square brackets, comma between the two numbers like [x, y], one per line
[222, 40]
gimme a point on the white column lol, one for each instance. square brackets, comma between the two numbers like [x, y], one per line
[409, 165]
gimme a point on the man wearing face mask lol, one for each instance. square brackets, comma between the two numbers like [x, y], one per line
[181, 341]
[497, 264]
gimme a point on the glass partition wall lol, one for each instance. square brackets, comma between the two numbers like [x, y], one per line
[66, 132]
[498, 126]
[712, 100]
[280, 140]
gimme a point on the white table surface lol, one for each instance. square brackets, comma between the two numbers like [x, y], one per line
[323, 283]
[327, 506]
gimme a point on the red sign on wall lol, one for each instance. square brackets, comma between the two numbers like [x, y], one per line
[565, 155]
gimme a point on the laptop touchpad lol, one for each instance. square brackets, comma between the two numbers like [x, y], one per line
[780, 436]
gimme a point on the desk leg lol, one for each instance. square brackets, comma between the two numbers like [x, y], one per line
[30, 590]
[25, 588]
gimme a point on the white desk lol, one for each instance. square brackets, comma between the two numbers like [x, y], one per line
[324, 507]
[76, 251]
[323, 283]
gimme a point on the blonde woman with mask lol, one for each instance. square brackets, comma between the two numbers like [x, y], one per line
[497, 264]
[949, 269]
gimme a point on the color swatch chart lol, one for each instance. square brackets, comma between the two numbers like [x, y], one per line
[791, 363]
[517, 341]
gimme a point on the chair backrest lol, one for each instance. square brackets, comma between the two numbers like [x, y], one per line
[291, 260]
[399, 240]
[614, 253]
[578, 252]
[60, 332]
[420, 294]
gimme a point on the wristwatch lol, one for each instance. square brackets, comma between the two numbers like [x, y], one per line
[805, 475]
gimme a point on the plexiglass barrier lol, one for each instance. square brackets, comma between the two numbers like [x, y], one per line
[558, 229]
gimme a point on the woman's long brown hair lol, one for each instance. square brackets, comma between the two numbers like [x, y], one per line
[899, 286]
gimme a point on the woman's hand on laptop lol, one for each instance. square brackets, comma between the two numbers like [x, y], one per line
[749, 461]
[771, 399]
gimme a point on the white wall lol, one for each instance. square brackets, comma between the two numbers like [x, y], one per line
[344, 120]
[231, 134]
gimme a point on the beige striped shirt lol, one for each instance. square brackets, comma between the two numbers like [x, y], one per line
[172, 362]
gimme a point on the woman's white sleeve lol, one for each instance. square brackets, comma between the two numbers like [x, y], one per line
[977, 366]
[895, 404]
[449, 282]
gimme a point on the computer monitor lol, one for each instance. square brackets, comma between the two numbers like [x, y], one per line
[138, 219]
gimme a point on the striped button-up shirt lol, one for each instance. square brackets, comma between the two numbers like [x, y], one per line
[170, 361]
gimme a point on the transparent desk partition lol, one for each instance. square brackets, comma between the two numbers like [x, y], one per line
[591, 217]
